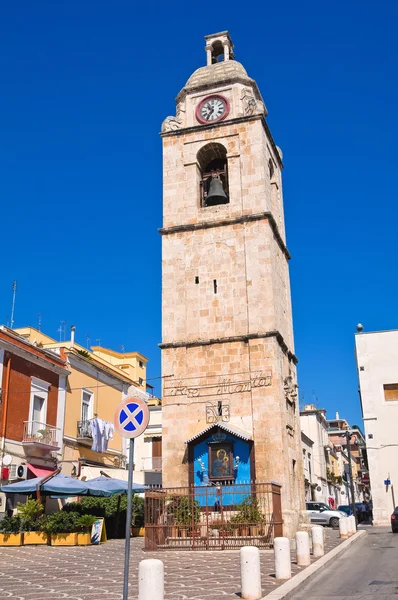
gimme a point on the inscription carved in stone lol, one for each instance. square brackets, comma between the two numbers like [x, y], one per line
[218, 386]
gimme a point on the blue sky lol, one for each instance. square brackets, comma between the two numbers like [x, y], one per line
[83, 91]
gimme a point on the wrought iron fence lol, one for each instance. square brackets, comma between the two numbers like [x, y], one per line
[218, 517]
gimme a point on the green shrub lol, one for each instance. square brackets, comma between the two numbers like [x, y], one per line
[107, 507]
[184, 510]
[61, 522]
[249, 512]
[11, 524]
[85, 522]
[30, 513]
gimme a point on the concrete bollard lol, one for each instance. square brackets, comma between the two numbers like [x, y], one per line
[317, 541]
[151, 579]
[351, 525]
[250, 573]
[343, 527]
[283, 566]
[303, 549]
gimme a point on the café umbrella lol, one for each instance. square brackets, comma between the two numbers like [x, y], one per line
[115, 486]
[59, 486]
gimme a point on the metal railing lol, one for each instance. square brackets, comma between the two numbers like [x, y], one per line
[152, 463]
[39, 433]
[84, 430]
[217, 517]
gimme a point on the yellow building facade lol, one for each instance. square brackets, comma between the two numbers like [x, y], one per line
[99, 380]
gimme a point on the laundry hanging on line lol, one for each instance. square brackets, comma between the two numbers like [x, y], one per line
[102, 432]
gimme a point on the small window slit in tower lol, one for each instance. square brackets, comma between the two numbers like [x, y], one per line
[219, 408]
[215, 285]
[196, 279]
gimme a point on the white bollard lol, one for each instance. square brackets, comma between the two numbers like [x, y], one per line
[352, 526]
[343, 527]
[283, 566]
[317, 541]
[151, 579]
[250, 573]
[303, 549]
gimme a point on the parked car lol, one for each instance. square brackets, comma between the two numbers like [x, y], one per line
[394, 520]
[321, 514]
[347, 509]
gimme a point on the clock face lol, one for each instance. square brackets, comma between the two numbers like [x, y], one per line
[212, 109]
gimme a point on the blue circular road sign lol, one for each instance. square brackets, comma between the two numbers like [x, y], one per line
[131, 417]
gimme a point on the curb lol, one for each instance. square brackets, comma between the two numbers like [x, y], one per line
[287, 589]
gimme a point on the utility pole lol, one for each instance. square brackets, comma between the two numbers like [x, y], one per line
[348, 436]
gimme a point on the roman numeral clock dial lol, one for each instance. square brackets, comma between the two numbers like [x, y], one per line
[212, 109]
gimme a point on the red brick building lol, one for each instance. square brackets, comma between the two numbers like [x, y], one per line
[32, 393]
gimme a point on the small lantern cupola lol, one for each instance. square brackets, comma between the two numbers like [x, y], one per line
[219, 47]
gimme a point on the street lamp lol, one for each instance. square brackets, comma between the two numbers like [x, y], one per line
[348, 436]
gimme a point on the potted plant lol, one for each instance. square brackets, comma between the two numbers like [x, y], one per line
[137, 520]
[249, 517]
[186, 514]
[62, 528]
[10, 531]
[85, 523]
[30, 514]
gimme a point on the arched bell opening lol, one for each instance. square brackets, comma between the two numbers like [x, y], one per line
[213, 165]
[217, 54]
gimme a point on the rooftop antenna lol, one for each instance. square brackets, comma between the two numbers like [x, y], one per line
[14, 293]
[98, 340]
[39, 322]
[122, 348]
[87, 341]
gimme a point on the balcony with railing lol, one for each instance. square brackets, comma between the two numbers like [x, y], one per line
[152, 463]
[40, 435]
[84, 432]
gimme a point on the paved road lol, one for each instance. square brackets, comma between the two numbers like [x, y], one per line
[96, 572]
[368, 570]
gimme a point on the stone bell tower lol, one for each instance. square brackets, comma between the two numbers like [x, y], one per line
[228, 362]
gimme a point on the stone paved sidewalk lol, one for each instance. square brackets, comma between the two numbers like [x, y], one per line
[96, 572]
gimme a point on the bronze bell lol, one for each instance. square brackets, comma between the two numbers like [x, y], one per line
[216, 193]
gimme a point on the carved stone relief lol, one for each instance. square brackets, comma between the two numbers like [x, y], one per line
[173, 123]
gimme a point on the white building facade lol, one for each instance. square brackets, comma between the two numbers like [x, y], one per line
[377, 362]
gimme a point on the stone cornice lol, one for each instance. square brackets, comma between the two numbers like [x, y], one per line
[236, 121]
[235, 338]
[231, 221]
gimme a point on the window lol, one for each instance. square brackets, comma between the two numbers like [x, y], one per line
[390, 391]
[87, 405]
[38, 401]
[141, 364]
[140, 380]
[38, 406]
[213, 165]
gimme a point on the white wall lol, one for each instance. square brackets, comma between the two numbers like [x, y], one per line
[377, 358]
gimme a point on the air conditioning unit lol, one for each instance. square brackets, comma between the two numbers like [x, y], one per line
[18, 472]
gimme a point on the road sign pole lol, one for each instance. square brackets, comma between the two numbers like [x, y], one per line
[128, 522]
[131, 420]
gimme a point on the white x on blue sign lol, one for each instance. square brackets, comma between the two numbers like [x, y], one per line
[131, 418]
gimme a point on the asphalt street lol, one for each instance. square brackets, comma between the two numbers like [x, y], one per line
[367, 570]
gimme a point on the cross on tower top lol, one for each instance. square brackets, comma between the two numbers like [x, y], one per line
[219, 47]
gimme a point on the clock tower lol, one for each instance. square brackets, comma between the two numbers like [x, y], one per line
[228, 362]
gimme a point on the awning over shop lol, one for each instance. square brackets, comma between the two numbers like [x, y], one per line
[39, 471]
